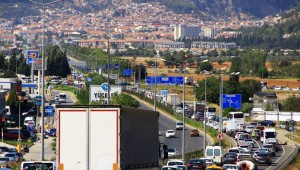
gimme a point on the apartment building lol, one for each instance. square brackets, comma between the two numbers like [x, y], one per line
[205, 45]
[186, 31]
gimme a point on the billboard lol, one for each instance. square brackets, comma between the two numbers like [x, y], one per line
[32, 54]
[99, 92]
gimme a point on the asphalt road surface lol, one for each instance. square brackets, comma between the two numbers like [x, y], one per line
[165, 123]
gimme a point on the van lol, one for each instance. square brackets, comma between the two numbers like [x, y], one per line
[27, 120]
[214, 152]
[7, 110]
[62, 97]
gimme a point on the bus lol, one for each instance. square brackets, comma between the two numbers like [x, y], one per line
[41, 165]
[234, 119]
[62, 97]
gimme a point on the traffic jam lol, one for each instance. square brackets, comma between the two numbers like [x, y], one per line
[254, 146]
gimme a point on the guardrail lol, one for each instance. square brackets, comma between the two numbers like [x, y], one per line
[290, 159]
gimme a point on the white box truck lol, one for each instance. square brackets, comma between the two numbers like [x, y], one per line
[173, 99]
[107, 137]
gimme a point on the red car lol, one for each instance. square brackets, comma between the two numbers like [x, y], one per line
[194, 132]
[12, 135]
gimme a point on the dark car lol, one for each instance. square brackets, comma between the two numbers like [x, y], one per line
[262, 158]
[196, 163]
[12, 135]
[232, 132]
[194, 132]
[230, 158]
[4, 149]
[268, 123]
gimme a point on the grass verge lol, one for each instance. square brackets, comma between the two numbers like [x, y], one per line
[64, 88]
[15, 142]
[296, 164]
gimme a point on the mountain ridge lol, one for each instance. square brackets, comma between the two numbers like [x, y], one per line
[206, 9]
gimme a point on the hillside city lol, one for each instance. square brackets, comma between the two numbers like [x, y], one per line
[154, 25]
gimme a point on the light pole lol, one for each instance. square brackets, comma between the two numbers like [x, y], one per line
[19, 134]
[183, 109]
[43, 74]
[205, 113]
[155, 81]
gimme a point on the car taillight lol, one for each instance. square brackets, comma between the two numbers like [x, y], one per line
[188, 165]
[268, 158]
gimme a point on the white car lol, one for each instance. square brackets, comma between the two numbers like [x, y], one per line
[179, 125]
[170, 133]
[172, 151]
[296, 89]
[286, 88]
[179, 110]
[249, 128]
[230, 166]
[175, 162]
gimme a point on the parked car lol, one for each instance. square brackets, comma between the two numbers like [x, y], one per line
[230, 158]
[11, 156]
[268, 123]
[4, 160]
[194, 132]
[262, 158]
[12, 135]
[170, 133]
[196, 163]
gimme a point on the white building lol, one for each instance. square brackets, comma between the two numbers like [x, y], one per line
[210, 32]
[186, 31]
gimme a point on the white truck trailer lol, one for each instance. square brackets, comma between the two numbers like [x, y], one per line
[107, 137]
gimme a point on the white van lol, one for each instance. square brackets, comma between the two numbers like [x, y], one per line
[27, 120]
[7, 110]
[215, 153]
[62, 97]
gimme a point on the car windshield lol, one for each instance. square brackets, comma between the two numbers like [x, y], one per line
[4, 159]
[9, 155]
[267, 146]
[262, 154]
[198, 161]
[179, 123]
[175, 163]
[170, 131]
[171, 150]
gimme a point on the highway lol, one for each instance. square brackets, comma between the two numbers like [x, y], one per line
[281, 155]
[165, 123]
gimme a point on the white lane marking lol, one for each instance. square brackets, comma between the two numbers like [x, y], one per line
[257, 143]
[279, 157]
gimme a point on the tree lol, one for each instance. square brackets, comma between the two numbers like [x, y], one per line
[205, 66]
[124, 100]
[13, 102]
[212, 90]
[292, 104]
[248, 88]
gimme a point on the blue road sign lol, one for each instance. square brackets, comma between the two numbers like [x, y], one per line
[127, 72]
[88, 79]
[32, 54]
[49, 111]
[232, 100]
[164, 80]
[104, 86]
[116, 66]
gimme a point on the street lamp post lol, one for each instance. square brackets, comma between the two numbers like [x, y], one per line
[155, 82]
[19, 134]
[43, 73]
[183, 112]
[205, 113]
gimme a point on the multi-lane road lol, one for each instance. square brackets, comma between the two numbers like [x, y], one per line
[167, 123]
